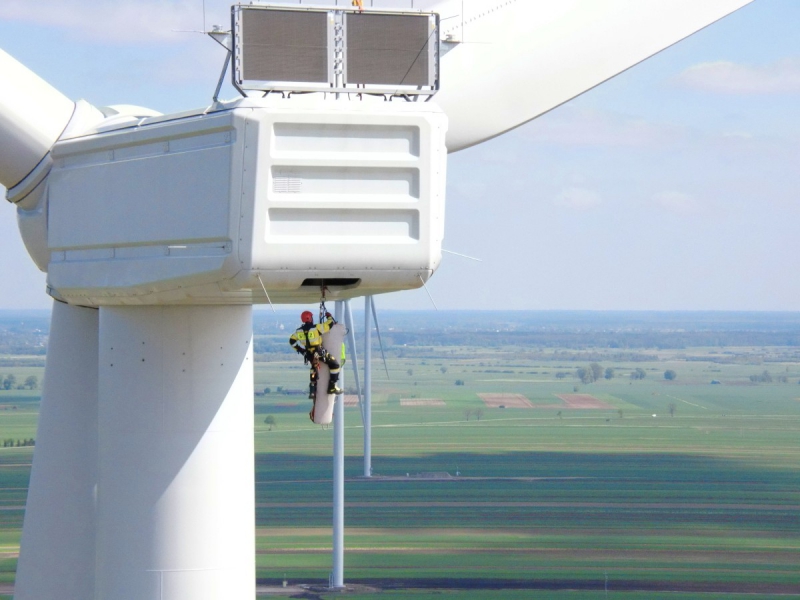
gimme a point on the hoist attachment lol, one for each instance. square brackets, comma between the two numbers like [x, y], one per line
[322, 308]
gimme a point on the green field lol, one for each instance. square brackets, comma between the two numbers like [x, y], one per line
[702, 504]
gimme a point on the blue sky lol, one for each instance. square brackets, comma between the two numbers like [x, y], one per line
[674, 186]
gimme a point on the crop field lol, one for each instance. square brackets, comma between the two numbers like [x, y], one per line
[679, 489]
[625, 487]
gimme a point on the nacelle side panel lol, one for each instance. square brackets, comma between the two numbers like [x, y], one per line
[214, 208]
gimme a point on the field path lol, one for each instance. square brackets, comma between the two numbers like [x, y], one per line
[686, 401]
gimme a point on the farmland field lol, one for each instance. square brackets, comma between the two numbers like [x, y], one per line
[641, 487]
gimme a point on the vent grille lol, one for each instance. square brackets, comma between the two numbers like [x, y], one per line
[314, 49]
[389, 49]
[284, 45]
[286, 184]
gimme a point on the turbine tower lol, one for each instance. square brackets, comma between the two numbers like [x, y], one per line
[159, 232]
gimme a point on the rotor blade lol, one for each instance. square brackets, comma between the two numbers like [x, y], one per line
[351, 342]
[505, 62]
[33, 115]
[380, 341]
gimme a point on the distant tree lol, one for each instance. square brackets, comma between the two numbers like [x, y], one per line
[410, 372]
[783, 379]
[10, 382]
[670, 375]
[478, 413]
[467, 414]
[576, 389]
[267, 391]
[459, 382]
[638, 374]
[559, 415]
[619, 412]
[32, 382]
[585, 375]
[765, 377]
[597, 371]
[562, 375]
[672, 409]
[271, 421]
[443, 369]
[609, 374]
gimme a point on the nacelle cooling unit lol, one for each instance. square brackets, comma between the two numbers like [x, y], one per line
[326, 50]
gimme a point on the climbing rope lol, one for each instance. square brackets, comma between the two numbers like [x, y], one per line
[322, 308]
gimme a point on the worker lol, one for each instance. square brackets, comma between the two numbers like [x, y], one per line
[307, 340]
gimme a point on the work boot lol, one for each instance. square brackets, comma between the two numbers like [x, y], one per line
[334, 389]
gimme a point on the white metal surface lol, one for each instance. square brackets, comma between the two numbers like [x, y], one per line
[30, 195]
[57, 550]
[194, 210]
[332, 342]
[32, 116]
[352, 351]
[176, 497]
[368, 386]
[517, 59]
[337, 571]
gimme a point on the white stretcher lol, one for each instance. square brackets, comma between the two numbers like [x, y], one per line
[332, 342]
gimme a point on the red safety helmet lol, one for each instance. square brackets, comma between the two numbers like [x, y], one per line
[307, 317]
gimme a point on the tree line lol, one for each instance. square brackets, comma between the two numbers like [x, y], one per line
[9, 382]
[10, 443]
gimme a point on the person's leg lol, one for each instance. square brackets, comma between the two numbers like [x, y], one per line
[334, 367]
[313, 375]
[312, 390]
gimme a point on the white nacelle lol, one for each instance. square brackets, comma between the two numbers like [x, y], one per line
[204, 207]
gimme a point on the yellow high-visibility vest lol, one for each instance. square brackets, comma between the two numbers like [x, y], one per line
[311, 338]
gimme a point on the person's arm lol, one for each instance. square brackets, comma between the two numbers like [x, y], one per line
[326, 325]
[294, 342]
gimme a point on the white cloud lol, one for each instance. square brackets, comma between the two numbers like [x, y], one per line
[579, 199]
[570, 126]
[723, 77]
[677, 202]
[116, 21]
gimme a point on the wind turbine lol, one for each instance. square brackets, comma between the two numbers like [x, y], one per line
[159, 233]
